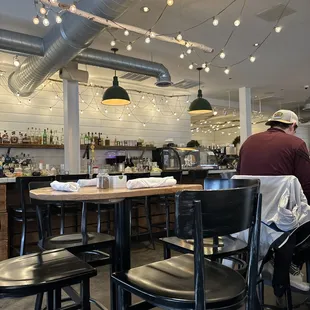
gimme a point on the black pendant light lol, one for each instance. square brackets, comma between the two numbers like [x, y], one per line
[200, 105]
[115, 95]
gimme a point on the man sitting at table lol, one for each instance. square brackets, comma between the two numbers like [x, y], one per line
[278, 152]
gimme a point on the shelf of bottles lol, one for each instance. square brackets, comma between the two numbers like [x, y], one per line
[48, 139]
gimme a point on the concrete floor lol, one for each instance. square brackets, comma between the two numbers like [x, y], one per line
[141, 254]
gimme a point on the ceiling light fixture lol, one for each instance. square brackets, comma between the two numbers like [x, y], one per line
[278, 29]
[191, 67]
[200, 105]
[147, 39]
[126, 33]
[170, 2]
[129, 47]
[204, 65]
[222, 54]
[36, 20]
[207, 69]
[46, 22]
[237, 22]
[226, 71]
[252, 58]
[43, 10]
[115, 95]
[182, 56]
[179, 37]
[145, 9]
[256, 44]
[16, 61]
[58, 19]
[72, 8]
[215, 21]
[189, 51]
[113, 43]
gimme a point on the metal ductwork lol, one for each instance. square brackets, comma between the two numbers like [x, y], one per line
[63, 43]
[124, 63]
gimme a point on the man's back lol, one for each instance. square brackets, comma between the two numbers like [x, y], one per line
[274, 152]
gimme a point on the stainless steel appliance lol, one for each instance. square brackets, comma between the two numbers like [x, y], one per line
[167, 158]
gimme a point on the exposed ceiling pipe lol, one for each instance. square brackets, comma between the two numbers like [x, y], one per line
[63, 43]
[21, 43]
[125, 63]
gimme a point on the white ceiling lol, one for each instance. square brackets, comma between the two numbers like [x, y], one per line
[281, 69]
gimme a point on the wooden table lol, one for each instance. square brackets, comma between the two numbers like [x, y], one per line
[122, 214]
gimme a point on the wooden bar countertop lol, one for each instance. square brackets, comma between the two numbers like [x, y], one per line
[93, 193]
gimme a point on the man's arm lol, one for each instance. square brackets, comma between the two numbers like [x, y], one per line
[302, 169]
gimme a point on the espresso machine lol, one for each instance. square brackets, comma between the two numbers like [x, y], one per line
[167, 158]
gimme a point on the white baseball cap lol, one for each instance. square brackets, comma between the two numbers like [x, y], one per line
[284, 116]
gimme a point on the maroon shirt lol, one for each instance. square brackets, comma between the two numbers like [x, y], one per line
[274, 152]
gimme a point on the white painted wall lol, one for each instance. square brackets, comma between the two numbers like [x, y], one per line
[19, 114]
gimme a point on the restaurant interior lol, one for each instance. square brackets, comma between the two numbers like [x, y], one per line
[115, 114]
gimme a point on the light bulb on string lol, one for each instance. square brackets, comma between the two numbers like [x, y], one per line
[204, 65]
[187, 44]
[174, 113]
[81, 111]
[36, 20]
[58, 19]
[222, 54]
[278, 29]
[191, 67]
[170, 2]
[126, 33]
[207, 69]
[237, 22]
[120, 119]
[142, 97]
[226, 71]
[43, 10]
[129, 114]
[46, 22]
[113, 43]
[51, 108]
[153, 100]
[97, 94]
[179, 37]
[144, 124]
[214, 112]
[29, 100]
[215, 21]
[106, 111]
[16, 62]
[158, 110]
[252, 58]
[152, 35]
[189, 51]
[72, 8]
[182, 56]
[178, 119]
[147, 39]
[129, 47]
[134, 106]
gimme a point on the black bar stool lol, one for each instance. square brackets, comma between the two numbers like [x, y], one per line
[47, 272]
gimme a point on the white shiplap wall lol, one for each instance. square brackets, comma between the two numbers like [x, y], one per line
[19, 114]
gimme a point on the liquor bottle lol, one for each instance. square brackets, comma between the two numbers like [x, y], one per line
[86, 139]
[107, 141]
[44, 137]
[31, 135]
[82, 139]
[39, 136]
[55, 138]
[5, 137]
[115, 142]
[20, 138]
[0, 138]
[96, 139]
[51, 137]
[62, 137]
[99, 139]
[92, 139]
[47, 136]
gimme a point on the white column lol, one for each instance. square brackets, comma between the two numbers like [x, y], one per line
[71, 126]
[245, 109]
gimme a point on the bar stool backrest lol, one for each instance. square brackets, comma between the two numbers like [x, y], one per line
[37, 185]
[71, 177]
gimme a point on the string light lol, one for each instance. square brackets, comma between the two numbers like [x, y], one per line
[17, 94]
[129, 114]
[178, 119]
[36, 20]
[147, 39]
[29, 100]
[152, 35]
[97, 109]
[120, 119]
[142, 97]
[252, 58]
[53, 1]
[46, 22]
[204, 65]
[51, 108]
[144, 124]
[170, 2]
[113, 43]
[106, 111]
[58, 19]
[182, 56]
[43, 10]
[179, 37]
[207, 69]
[126, 33]
[145, 9]
[81, 111]
[237, 22]
[215, 21]
[278, 29]
[72, 8]
[222, 54]
[214, 112]
[129, 47]
[226, 71]
[189, 51]
[191, 67]
[16, 62]
[187, 44]
[174, 113]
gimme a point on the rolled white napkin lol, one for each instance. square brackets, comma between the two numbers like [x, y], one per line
[85, 182]
[65, 186]
[151, 182]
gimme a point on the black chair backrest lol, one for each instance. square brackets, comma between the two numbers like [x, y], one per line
[176, 174]
[37, 185]
[132, 176]
[71, 177]
[227, 207]
[23, 183]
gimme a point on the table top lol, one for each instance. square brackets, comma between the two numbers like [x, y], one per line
[93, 193]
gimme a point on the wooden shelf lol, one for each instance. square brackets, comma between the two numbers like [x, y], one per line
[48, 146]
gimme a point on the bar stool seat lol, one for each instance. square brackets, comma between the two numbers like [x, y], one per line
[50, 271]
[75, 242]
[174, 279]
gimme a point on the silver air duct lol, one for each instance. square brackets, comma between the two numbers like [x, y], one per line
[63, 42]
[124, 63]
